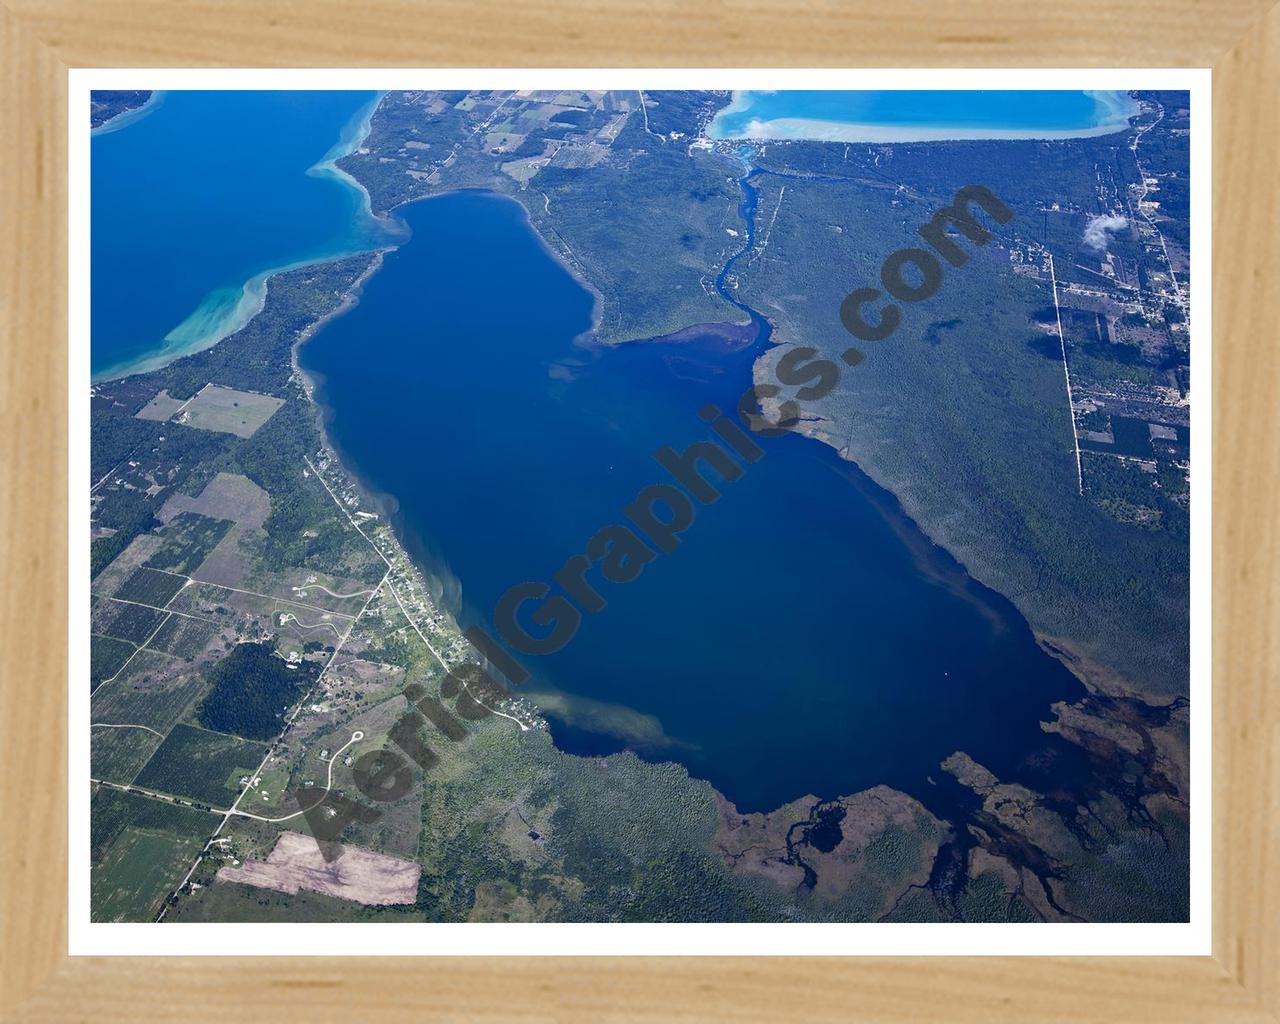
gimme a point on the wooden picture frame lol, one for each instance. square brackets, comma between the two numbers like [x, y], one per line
[42, 39]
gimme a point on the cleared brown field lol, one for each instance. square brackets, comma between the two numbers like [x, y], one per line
[159, 408]
[355, 874]
[230, 411]
[226, 496]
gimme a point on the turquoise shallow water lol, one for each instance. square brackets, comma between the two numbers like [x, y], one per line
[193, 203]
[924, 114]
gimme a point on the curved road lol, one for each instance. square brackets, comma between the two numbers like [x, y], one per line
[328, 785]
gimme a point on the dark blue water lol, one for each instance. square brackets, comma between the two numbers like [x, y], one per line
[204, 194]
[805, 637]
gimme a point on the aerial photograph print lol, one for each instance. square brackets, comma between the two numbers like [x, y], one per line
[741, 506]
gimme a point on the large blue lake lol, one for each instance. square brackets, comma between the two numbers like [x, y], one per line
[804, 638]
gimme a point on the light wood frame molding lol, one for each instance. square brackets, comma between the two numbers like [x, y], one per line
[42, 39]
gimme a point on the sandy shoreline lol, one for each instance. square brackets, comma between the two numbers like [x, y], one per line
[803, 129]
[130, 116]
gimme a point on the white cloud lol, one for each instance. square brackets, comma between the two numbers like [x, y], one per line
[1098, 232]
[757, 129]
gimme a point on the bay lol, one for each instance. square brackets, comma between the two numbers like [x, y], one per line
[193, 205]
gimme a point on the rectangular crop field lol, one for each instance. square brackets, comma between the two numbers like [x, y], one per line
[187, 541]
[226, 496]
[159, 408]
[139, 849]
[131, 622]
[184, 636]
[147, 586]
[355, 874]
[117, 755]
[153, 691]
[106, 656]
[203, 765]
[136, 875]
[225, 409]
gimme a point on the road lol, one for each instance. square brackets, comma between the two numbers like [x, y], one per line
[124, 725]
[409, 618]
[231, 812]
[1071, 406]
[321, 586]
[1142, 177]
[356, 737]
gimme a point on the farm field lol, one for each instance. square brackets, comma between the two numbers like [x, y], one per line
[129, 622]
[231, 901]
[187, 540]
[296, 863]
[184, 636]
[227, 496]
[205, 766]
[137, 873]
[149, 586]
[139, 849]
[106, 656]
[117, 755]
[154, 690]
[230, 411]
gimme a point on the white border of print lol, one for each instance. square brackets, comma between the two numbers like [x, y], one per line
[373, 939]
